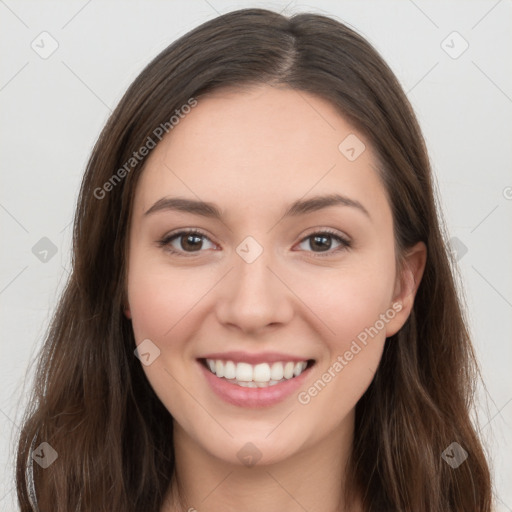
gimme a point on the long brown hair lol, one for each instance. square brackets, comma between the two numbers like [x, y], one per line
[92, 402]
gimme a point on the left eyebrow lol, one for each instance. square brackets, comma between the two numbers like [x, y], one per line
[316, 203]
[299, 207]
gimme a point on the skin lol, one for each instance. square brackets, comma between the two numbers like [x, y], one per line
[253, 152]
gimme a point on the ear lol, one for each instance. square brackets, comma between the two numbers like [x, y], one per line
[406, 286]
[126, 306]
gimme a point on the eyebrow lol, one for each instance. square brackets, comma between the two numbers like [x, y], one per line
[299, 207]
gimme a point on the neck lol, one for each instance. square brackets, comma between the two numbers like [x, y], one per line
[312, 479]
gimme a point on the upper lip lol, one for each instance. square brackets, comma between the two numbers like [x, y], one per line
[262, 357]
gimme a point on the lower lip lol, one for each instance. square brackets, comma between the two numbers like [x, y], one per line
[253, 397]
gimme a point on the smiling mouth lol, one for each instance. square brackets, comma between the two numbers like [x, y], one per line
[260, 375]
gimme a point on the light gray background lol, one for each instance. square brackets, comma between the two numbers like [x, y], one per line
[53, 110]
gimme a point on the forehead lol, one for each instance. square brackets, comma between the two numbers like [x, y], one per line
[257, 147]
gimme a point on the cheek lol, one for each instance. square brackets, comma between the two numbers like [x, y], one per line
[355, 306]
[160, 298]
[352, 299]
[162, 307]
[354, 353]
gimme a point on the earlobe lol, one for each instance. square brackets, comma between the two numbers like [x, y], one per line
[126, 306]
[407, 285]
[127, 312]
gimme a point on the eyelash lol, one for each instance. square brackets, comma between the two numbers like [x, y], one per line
[165, 242]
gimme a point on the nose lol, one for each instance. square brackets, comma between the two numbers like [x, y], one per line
[254, 297]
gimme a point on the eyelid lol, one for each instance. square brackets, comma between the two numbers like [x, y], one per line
[165, 241]
[344, 240]
[330, 231]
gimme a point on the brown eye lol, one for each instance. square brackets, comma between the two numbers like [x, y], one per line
[323, 242]
[186, 242]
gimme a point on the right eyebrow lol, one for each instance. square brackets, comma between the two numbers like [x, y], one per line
[186, 205]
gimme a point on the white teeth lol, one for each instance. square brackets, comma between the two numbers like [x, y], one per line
[243, 371]
[288, 370]
[277, 371]
[259, 375]
[229, 370]
[297, 370]
[219, 368]
[255, 384]
[261, 372]
[248, 384]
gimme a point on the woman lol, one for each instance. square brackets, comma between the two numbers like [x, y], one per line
[261, 313]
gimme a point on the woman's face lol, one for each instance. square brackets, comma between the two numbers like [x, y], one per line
[292, 261]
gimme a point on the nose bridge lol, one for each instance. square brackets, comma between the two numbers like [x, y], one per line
[254, 277]
[253, 297]
[253, 281]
